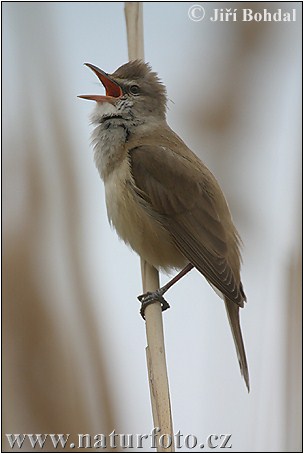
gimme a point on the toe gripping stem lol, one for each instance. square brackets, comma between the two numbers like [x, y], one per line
[150, 298]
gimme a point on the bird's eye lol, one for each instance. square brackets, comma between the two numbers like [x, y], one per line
[134, 90]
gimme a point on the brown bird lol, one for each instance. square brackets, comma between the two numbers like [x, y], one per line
[161, 199]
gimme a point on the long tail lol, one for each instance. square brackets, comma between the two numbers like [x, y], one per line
[234, 320]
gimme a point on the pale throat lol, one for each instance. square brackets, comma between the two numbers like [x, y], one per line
[115, 125]
[109, 136]
[103, 109]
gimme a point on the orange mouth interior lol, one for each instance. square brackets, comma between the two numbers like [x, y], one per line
[113, 90]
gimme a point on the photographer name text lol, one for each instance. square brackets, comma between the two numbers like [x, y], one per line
[248, 15]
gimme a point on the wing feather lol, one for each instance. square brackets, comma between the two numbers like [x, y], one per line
[182, 197]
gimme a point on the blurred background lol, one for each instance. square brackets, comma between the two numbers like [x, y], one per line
[73, 341]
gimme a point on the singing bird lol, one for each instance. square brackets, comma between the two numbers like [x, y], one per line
[161, 199]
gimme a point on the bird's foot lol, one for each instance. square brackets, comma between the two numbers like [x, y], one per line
[152, 297]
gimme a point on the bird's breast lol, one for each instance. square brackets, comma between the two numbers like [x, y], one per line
[135, 223]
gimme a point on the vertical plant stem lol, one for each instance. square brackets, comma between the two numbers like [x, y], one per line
[155, 350]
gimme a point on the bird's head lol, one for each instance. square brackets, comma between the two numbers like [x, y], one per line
[133, 90]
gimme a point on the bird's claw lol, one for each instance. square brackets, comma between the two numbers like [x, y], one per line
[152, 297]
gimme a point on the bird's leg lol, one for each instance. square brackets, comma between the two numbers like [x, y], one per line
[157, 296]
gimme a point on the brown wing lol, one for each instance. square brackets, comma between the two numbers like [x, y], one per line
[181, 196]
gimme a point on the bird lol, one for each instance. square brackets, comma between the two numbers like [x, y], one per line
[161, 198]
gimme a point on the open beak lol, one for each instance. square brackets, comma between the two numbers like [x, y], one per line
[113, 90]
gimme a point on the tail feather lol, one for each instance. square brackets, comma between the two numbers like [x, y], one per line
[234, 320]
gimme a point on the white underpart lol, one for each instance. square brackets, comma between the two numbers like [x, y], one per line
[103, 109]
